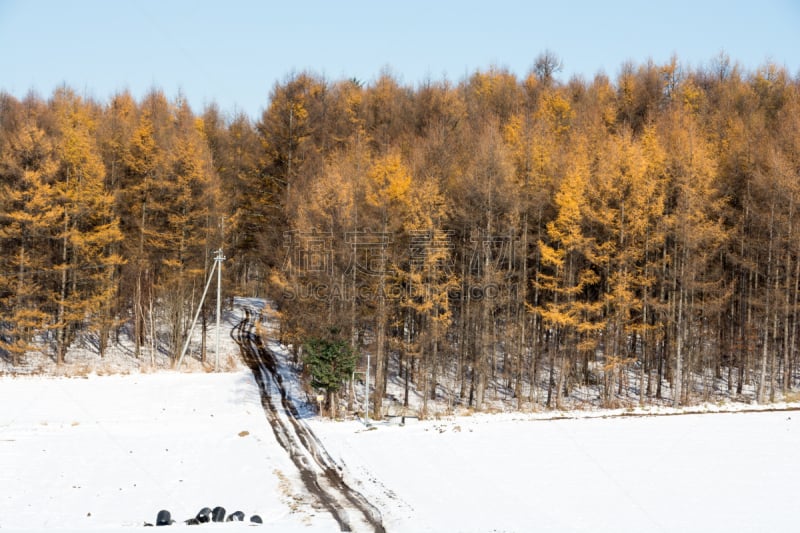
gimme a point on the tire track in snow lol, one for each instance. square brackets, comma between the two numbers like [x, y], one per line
[320, 474]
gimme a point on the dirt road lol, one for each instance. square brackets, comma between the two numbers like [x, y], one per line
[321, 475]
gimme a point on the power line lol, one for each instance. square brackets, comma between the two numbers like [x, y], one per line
[55, 269]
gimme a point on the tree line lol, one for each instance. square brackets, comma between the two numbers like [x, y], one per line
[522, 238]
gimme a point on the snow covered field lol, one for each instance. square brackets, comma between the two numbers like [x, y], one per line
[107, 453]
[714, 472]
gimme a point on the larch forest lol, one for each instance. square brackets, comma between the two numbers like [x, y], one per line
[521, 239]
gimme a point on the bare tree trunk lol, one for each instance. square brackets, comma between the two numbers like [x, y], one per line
[679, 326]
[562, 376]
[332, 401]
[425, 383]
[773, 364]
[643, 390]
[762, 378]
[138, 307]
[481, 356]
[465, 330]
[204, 329]
[535, 348]
[552, 346]
[380, 354]
[62, 325]
[406, 355]
[434, 356]
[790, 352]
[20, 304]
[153, 332]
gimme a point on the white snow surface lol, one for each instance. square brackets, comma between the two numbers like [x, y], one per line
[701, 472]
[109, 452]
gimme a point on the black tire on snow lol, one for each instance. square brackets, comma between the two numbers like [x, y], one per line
[204, 515]
[218, 514]
[163, 518]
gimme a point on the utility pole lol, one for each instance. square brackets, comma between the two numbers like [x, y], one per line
[218, 258]
[197, 314]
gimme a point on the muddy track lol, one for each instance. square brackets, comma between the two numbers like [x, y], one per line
[320, 474]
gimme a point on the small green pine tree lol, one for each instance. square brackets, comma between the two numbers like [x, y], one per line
[330, 362]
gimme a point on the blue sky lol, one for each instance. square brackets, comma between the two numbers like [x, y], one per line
[234, 51]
